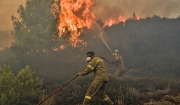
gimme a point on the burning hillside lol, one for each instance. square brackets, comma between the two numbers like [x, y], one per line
[76, 16]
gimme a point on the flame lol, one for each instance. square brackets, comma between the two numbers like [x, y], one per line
[62, 47]
[75, 17]
[137, 17]
[113, 20]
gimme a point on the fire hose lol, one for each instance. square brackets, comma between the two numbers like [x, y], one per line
[57, 90]
[106, 60]
[66, 84]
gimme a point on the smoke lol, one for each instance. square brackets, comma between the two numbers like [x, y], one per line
[103, 9]
[106, 9]
[5, 39]
[7, 9]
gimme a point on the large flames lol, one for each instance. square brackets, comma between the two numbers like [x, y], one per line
[76, 16]
[113, 20]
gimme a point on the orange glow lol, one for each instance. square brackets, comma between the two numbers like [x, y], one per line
[138, 17]
[113, 21]
[75, 17]
[55, 49]
[62, 47]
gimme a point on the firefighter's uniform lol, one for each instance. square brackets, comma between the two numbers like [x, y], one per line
[119, 64]
[99, 83]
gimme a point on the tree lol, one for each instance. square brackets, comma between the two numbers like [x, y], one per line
[23, 89]
[35, 29]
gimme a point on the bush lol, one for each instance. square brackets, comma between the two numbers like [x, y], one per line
[23, 89]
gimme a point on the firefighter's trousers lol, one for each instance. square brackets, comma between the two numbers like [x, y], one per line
[119, 72]
[95, 86]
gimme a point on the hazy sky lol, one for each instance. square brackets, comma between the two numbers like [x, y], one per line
[7, 9]
[103, 9]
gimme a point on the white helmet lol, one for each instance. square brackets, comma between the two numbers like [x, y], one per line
[116, 51]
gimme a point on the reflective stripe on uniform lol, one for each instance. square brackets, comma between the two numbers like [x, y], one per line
[90, 67]
[88, 97]
[99, 60]
[106, 98]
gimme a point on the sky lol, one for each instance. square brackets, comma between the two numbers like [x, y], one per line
[103, 9]
[7, 9]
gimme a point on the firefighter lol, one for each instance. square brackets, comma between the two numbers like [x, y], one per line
[118, 61]
[100, 81]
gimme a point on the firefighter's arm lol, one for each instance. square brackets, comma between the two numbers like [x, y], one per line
[116, 58]
[90, 67]
[86, 71]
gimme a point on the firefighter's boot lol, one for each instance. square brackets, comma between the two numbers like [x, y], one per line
[86, 102]
[108, 102]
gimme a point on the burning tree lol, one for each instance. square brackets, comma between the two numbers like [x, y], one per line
[75, 17]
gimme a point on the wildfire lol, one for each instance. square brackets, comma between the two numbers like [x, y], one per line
[75, 17]
[113, 21]
[62, 47]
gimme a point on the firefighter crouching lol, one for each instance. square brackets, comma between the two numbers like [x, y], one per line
[118, 61]
[100, 80]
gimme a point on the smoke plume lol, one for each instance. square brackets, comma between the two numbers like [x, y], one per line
[7, 9]
[5, 39]
[105, 9]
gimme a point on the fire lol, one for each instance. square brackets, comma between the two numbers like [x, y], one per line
[62, 47]
[75, 17]
[113, 21]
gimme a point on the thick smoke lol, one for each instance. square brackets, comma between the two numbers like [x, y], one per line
[7, 9]
[105, 9]
[5, 39]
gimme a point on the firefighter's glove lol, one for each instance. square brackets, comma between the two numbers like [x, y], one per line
[79, 73]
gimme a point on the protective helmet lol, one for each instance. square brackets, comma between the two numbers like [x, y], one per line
[90, 52]
[116, 51]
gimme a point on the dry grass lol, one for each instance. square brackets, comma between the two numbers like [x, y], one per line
[49, 101]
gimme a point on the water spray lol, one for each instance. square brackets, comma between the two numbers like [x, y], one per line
[101, 33]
